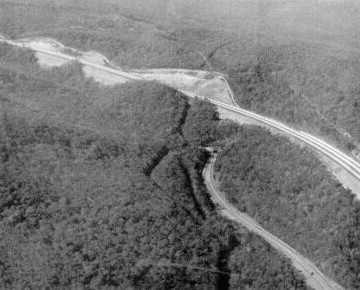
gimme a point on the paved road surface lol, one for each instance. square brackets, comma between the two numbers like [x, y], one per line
[317, 279]
[314, 277]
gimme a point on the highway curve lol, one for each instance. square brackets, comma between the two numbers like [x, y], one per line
[313, 276]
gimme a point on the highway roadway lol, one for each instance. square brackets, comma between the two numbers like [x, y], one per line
[103, 68]
[330, 151]
[313, 276]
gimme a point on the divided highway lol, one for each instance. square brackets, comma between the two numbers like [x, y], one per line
[314, 277]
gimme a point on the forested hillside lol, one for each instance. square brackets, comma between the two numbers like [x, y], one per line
[102, 188]
[284, 187]
[309, 79]
[317, 94]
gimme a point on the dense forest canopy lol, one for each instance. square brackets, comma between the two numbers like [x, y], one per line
[102, 187]
[308, 79]
[284, 187]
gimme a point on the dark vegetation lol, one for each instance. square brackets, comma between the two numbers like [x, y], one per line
[304, 84]
[320, 101]
[102, 188]
[309, 79]
[284, 187]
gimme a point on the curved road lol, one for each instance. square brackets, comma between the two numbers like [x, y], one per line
[313, 276]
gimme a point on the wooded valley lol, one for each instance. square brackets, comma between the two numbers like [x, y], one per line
[102, 187]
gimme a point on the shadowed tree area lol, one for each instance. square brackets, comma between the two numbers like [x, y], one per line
[286, 189]
[90, 173]
[102, 188]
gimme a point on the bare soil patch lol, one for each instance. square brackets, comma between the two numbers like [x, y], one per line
[200, 83]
